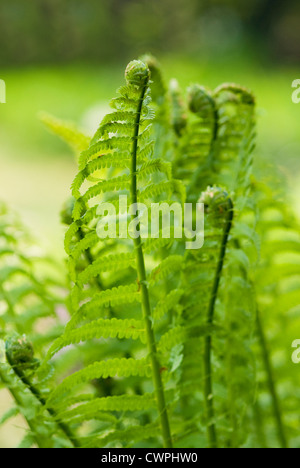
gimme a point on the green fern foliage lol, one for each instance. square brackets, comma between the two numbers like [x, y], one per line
[123, 143]
[67, 131]
[217, 148]
[26, 296]
[137, 340]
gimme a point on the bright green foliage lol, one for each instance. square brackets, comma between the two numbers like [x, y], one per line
[277, 298]
[68, 132]
[162, 346]
[31, 287]
[93, 296]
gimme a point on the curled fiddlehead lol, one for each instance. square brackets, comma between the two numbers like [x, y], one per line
[21, 362]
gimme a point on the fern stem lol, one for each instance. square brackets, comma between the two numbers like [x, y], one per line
[141, 270]
[89, 258]
[35, 392]
[40, 440]
[271, 382]
[208, 381]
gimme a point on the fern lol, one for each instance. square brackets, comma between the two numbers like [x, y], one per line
[26, 296]
[145, 342]
[210, 134]
[122, 136]
[68, 132]
[16, 370]
[277, 293]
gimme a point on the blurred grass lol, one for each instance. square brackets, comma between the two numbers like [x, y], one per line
[37, 168]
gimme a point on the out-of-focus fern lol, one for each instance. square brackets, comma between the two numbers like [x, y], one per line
[277, 295]
[67, 131]
[32, 302]
[31, 287]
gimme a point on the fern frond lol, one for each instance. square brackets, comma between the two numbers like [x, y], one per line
[123, 143]
[167, 304]
[109, 263]
[172, 338]
[167, 266]
[67, 131]
[126, 437]
[122, 403]
[110, 297]
[111, 368]
[101, 328]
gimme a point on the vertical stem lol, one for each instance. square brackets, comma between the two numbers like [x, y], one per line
[35, 392]
[141, 270]
[271, 382]
[40, 440]
[208, 381]
[90, 259]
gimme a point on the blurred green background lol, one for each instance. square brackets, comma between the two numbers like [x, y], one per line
[67, 57]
